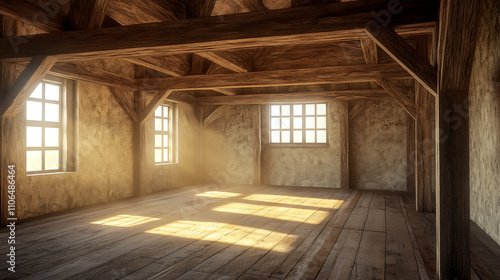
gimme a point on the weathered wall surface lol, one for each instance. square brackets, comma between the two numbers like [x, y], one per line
[185, 171]
[485, 123]
[378, 139]
[105, 160]
[229, 145]
[306, 166]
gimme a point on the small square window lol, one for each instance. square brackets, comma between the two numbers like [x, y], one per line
[298, 124]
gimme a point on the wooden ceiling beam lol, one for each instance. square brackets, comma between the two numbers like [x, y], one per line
[153, 104]
[32, 75]
[36, 13]
[235, 61]
[87, 14]
[400, 94]
[200, 8]
[337, 74]
[395, 46]
[80, 72]
[316, 96]
[303, 25]
[251, 5]
[145, 11]
[173, 65]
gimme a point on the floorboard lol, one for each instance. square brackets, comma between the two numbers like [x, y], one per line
[242, 232]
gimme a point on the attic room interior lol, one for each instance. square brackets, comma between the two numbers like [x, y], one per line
[250, 139]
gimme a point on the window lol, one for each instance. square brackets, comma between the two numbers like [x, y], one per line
[46, 134]
[164, 134]
[298, 124]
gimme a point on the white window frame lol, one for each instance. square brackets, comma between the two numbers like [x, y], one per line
[302, 130]
[171, 133]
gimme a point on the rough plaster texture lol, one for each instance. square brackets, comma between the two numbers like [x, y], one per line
[378, 147]
[185, 171]
[306, 166]
[229, 144]
[105, 160]
[485, 123]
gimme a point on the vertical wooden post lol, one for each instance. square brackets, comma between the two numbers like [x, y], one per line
[458, 27]
[411, 157]
[425, 136]
[8, 148]
[139, 139]
[257, 123]
[344, 144]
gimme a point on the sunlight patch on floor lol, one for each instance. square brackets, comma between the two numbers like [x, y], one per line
[125, 221]
[225, 233]
[218, 194]
[273, 212]
[293, 200]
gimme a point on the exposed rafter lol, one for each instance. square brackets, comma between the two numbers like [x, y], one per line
[395, 46]
[78, 71]
[310, 24]
[399, 93]
[25, 85]
[145, 11]
[251, 5]
[338, 74]
[215, 115]
[153, 104]
[292, 97]
[236, 61]
[87, 14]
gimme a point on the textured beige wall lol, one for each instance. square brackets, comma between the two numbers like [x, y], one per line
[105, 160]
[485, 123]
[310, 166]
[229, 143]
[378, 137]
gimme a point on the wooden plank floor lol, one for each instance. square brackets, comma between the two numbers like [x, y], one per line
[239, 232]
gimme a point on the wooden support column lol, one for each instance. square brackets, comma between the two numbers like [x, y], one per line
[457, 39]
[344, 144]
[425, 143]
[257, 126]
[411, 157]
[139, 139]
[7, 147]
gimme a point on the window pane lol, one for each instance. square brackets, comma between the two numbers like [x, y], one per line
[166, 157]
[297, 123]
[158, 155]
[158, 141]
[285, 110]
[321, 136]
[310, 122]
[285, 137]
[165, 125]
[51, 160]
[157, 124]
[310, 109]
[310, 136]
[297, 137]
[275, 110]
[285, 123]
[297, 110]
[37, 93]
[165, 140]
[321, 122]
[165, 112]
[51, 137]
[275, 123]
[52, 92]
[51, 112]
[275, 137]
[158, 112]
[34, 111]
[33, 136]
[34, 161]
[321, 109]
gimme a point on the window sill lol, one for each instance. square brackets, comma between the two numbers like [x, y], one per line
[50, 173]
[299, 145]
[166, 164]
